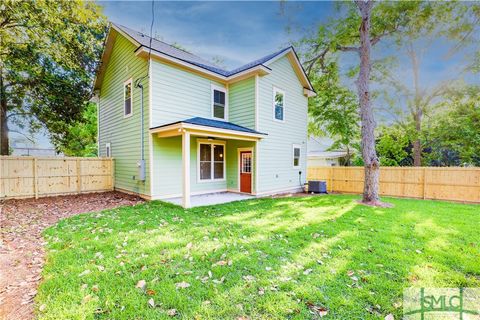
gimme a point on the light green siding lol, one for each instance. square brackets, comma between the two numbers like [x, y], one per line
[242, 103]
[178, 94]
[275, 155]
[124, 134]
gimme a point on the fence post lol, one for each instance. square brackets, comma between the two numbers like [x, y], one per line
[79, 177]
[112, 174]
[424, 182]
[35, 178]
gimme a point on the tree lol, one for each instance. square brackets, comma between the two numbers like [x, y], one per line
[454, 135]
[333, 112]
[49, 54]
[454, 20]
[393, 146]
[363, 26]
[80, 137]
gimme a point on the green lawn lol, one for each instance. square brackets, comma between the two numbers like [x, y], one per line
[259, 259]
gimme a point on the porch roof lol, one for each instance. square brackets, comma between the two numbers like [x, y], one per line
[204, 125]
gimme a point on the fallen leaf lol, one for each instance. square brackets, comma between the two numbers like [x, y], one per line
[151, 292]
[84, 273]
[42, 308]
[350, 273]
[389, 317]
[95, 288]
[397, 305]
[172, 312]
[182, 285]
[307, 271]
[189, 246]
[319, 310]
[86, 299]
[418, 251]
[151, 303]
[142, 285]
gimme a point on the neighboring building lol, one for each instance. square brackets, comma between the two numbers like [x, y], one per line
[36, 147]
[319, 154]
[204, 129]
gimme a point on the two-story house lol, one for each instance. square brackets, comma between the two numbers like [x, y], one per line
[179, 126]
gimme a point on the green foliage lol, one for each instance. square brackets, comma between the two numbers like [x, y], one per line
[392, 146]
[454, 135]
[334, 111]
[80, 137]
[49, 54]
[257, 259]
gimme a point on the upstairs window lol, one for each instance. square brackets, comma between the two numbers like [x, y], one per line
[219, 103]
[296, 156]
[278, 105]
[127, 98]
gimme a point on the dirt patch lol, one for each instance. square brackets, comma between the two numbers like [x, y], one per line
[21, 243]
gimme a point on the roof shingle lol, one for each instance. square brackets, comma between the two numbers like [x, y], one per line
[214, 124]
[174, 52]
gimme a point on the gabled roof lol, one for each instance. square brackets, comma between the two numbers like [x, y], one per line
[213, 124]
[170, 52]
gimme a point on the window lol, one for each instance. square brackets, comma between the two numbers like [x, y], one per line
[108, 150]
[246, 162]
[278, 105]
[219, 103]
[127, 98]
[211, 161]
[296, 156]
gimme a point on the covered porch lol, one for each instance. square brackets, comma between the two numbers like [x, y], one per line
[201, 161]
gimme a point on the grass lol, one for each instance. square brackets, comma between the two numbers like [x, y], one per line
[259, 259]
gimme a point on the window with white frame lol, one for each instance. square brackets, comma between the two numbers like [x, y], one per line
[219, 103]
[296, 156]
[127, 98]
[211, 164]
[108, 150]
[278, 105]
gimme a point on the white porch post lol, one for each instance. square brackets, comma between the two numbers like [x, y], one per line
[186, 168]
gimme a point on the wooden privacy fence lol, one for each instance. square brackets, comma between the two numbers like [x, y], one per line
[26, 177]
[449, 183]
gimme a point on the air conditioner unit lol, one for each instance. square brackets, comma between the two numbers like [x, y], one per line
[317, 186]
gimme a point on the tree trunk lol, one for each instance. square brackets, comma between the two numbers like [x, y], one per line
[417, 144]
[417, 112]
[4, 143]
[369, 154]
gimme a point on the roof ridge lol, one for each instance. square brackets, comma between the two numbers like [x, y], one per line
[195, 59]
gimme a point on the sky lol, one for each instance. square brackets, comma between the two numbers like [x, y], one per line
[242, 31]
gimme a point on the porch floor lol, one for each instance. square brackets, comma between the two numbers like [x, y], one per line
[212, 198]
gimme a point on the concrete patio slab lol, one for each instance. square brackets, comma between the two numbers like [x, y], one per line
[212, 198]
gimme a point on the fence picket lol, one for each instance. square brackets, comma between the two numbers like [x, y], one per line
[449, 183]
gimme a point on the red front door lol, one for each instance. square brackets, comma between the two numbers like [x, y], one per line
[246, 171]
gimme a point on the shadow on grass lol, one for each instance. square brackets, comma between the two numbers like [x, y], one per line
[265, 258]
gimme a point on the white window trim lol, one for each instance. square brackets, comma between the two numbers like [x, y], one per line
[131, 99]
[275, 91]
[212, 143]
[296, 146]
[222, 89]
[108, 150]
